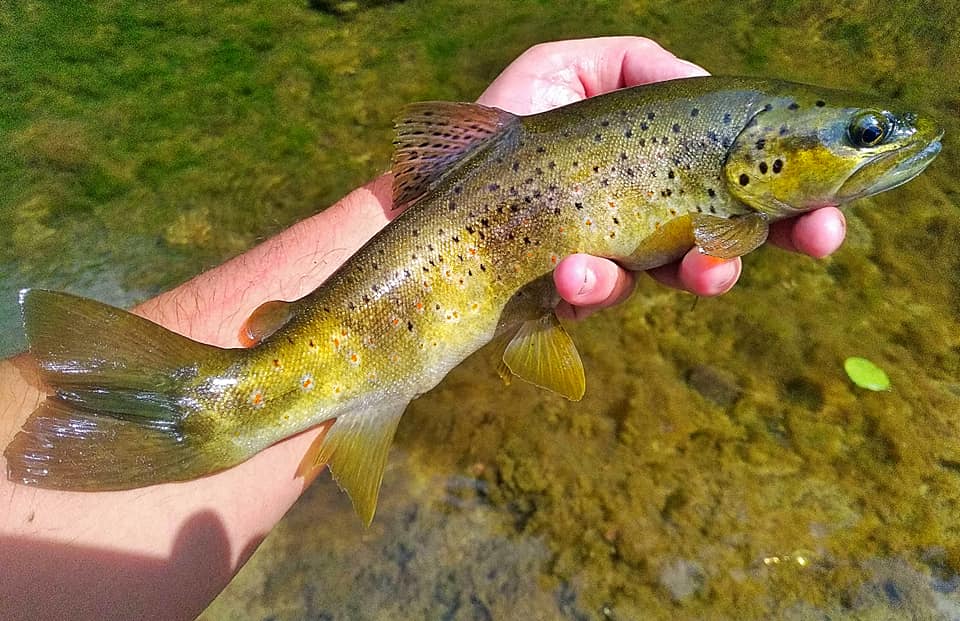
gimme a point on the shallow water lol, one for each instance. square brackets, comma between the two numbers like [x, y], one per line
[725, 468]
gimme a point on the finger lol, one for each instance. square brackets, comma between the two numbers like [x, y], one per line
[587, 283]
[561, 72]
[608, 63]
[700, 274]
[817, 234]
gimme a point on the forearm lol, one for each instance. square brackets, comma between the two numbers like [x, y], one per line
[170, 548]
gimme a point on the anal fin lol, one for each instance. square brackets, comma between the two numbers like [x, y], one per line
[355, 449]
[542, 353]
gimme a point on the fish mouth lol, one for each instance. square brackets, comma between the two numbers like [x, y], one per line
[890, 170]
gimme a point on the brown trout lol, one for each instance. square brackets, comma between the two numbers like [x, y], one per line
[493, 202]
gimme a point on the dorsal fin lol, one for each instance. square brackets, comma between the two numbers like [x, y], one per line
[433, 136]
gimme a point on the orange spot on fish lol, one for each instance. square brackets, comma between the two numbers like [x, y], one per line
[473, 251]
[256, 399]
[276, 363]
[306, 382]
[560, 229]
[553, 259]
[420, 306]
[343, 332]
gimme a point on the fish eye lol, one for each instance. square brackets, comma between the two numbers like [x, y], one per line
[868, 129]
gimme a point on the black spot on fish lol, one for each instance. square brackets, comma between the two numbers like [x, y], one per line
[695, 112]
[456, 239]
[644, 126]
[415, 232]
[615, 221]
[651, 115]
[483, 268]
[470, 229]
[712, 136]
[676, 128]
[628, 133]
[768, 107]
[665, 140]
[727, 118]
[713, 209]
[484, 222]
[605, 123]
[643, 142]
[793, 106]
[578, 205]
[515, 166]
[366, 299]
[820, 103]
[761, 144]
[777, 165]
[526, 240]
[575, 164]
[541, 150]
[763, 168]
[493, 187]
[596, 169]
[711, 193]
[744, 179]
[623, 155]
[410, 326]
[551, 164]
[598, 138]
[784, 130]
[556, 211]
[671, 174]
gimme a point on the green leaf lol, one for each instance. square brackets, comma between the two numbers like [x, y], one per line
[865, 374]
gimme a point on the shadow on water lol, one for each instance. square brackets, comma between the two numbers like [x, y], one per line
[721, 465]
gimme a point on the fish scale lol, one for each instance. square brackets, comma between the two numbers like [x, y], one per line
[492, 203]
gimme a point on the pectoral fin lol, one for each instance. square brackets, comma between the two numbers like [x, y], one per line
[264, 321]
[726, 238]
[542, 353]
[355, 449]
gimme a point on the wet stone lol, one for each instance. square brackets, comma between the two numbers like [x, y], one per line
[715, 384]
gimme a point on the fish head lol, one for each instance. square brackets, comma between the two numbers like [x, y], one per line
[799, 153]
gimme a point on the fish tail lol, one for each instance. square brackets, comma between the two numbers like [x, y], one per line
[115, 418]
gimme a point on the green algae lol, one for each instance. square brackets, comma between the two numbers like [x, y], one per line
[717, 444]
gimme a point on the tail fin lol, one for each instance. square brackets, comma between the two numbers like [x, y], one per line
[120, 382]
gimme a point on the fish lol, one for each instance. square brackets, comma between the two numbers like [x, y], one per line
[492, 202]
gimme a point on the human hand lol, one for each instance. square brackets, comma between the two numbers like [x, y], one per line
[554, 74]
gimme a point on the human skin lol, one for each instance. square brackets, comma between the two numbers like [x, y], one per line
[165, 551]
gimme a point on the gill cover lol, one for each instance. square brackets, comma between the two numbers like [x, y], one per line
[816, 149]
